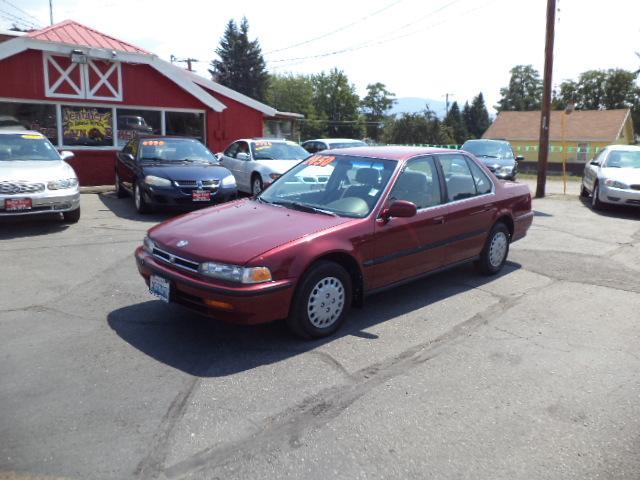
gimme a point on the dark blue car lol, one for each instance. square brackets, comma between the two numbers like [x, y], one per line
[172, 172]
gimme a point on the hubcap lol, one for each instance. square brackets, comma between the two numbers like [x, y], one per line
[256, 186]
[326, 302]
[498, 249]
[138, 200]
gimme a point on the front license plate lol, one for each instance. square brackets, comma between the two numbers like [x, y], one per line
[201, 195]
[160, 287]
[14, 204]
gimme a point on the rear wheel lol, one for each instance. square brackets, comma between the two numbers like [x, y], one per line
[256, 184]
[321, 302]
[138, 199]
[120, 193]
[495, 252]
[596, 204]
[72, 217]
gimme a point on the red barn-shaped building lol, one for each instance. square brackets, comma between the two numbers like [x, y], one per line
[90, 93]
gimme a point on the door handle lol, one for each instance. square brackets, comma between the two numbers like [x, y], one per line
[438, 220]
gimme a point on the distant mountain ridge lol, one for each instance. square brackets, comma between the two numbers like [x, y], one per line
[417, 104]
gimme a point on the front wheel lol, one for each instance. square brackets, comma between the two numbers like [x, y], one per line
[72, 217]
[584, 193]
[321, 302]
[120, 193]
[494, 254]
[596, 204]
[256, 185]
[138, 199]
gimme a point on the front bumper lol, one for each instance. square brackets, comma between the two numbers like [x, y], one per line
[177, 197]
[49, 201]
[251, 304]
[619, 196]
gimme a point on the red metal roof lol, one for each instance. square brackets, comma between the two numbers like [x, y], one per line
[74, 33]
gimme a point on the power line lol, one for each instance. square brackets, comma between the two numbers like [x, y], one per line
[14, 18]
[21, 10]
[371, 41]
[337, 30]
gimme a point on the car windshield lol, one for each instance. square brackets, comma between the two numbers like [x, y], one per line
[356, 143]
[623, 159]
[488, 149]
[340, 185]
[175, 150]
[266, 150]
[26, 146]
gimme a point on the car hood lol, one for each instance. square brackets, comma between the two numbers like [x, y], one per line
[238, 231]
[35, 170]
[625, 175]
[185, 171]
[278, 166]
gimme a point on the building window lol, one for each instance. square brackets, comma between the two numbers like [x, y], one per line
[87, 126]
[132, 123]
[30, 116]
[185, 124]
[582, 152]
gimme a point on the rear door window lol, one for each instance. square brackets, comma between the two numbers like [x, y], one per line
[458, 178]
[483, 184]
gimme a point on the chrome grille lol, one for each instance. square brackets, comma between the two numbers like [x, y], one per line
[175, 260]
[20, 188]
[194, 183]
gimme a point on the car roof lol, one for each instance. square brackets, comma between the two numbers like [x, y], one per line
[19, 132]
[398, 153]
[175, 137]
[341, 140]
[489, 140]
[632, 148]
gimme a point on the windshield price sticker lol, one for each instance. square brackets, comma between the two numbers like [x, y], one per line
[153, 143]
[320, 160]
[31, 137]
[263, 144]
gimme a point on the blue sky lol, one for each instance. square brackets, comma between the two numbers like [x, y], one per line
[420, 48]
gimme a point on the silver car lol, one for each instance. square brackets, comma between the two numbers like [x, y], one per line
[256, 163]
[34, 177]
[320, 144]
[613, 177]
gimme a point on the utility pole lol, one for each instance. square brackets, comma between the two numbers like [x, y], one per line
[188, 61]
[446, 102]
[51, 12]
[543, 150]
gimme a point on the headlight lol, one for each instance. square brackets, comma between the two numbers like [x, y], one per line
[275, 176]
[229, 181]
[615, 184]
[504, 170]
[62, 184]
[157, 181]
[148, 245]
[234, 273]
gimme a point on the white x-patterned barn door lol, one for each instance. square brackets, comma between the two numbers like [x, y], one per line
[94, 80]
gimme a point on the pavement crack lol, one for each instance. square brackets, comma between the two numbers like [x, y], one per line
[284, 430]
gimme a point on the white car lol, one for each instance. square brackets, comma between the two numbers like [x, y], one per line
[35, 178]
[320, 144]
[255, 163]
[613, 177]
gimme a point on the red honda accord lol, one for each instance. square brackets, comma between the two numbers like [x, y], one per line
[337, 227]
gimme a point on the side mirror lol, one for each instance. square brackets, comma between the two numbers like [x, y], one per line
[595, 163]
[66, 155]
[519, 158]
[242, 156]
[128, 157]
[400, 209]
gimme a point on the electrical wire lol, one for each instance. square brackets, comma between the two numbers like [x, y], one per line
[17, 20]
[337, 30]
[21, 10]
[371, 41]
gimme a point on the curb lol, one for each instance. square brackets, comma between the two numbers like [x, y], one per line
[97, 189]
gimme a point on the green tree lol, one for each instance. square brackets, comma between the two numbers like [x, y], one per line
[476, 117]
[455, 122]
[375, 106]
[417, 128]
[240, 65]
[335, 99]
[524, 92]
[295, 93]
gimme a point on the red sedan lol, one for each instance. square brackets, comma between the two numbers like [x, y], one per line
[337, 227]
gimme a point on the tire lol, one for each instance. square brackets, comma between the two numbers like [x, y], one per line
[120, 193]
[138, 200]
[256, 184]
[495, 252]
[584, 193]
[71, 217]
[596, 204]
[309, 317]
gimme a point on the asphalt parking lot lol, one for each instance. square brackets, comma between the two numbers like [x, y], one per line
[531, 374]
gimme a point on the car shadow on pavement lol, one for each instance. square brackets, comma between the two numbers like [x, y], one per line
[208, 348]
[31, 225]
[623, 212]
[124, 208]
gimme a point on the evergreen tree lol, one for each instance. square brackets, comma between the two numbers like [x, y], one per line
[476, 117]
[336, 100]
[375, 106]
[455, 122]
[524, 92]
[240, 65]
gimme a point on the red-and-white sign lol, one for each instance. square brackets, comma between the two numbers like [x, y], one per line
[16, 204]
